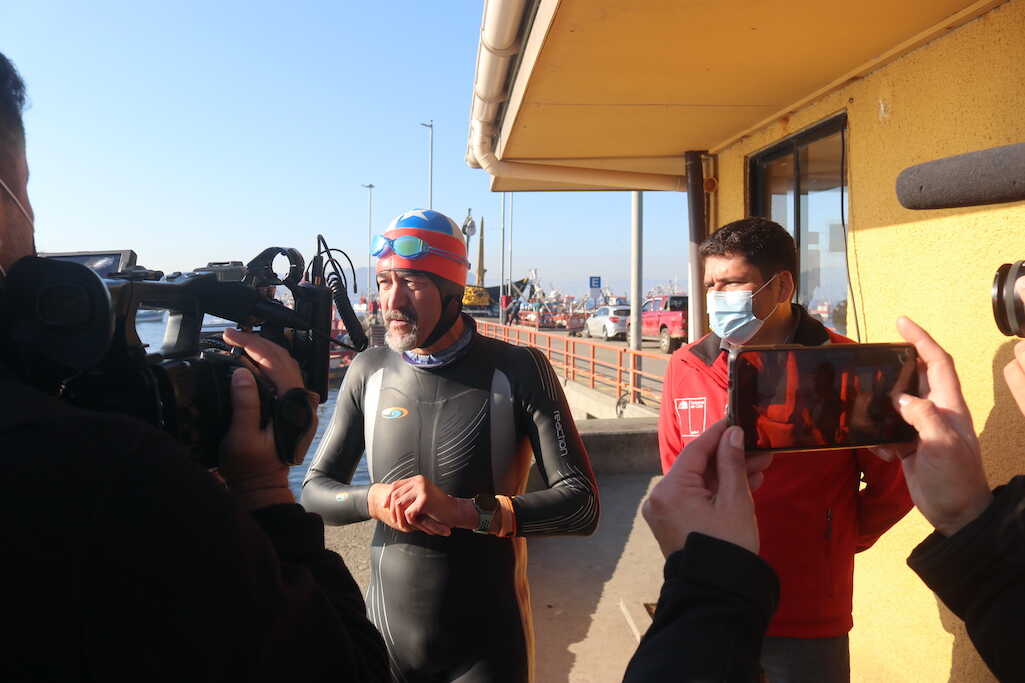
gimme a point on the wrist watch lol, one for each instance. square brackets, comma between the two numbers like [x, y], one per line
[486, 505]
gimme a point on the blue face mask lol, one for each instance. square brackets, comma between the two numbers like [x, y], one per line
[731, 314]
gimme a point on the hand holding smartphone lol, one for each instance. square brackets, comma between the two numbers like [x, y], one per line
[808, 398]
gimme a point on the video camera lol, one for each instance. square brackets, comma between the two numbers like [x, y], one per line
[70, 330]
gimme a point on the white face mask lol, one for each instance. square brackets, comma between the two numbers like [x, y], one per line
[731, 314]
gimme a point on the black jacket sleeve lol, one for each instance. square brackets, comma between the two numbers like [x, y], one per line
[979, 573]
[715, 605]
[239, 595]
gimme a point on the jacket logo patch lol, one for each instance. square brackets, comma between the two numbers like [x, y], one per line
[691, 415]
[394, 413]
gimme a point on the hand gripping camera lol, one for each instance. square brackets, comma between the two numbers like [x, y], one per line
[72, 333]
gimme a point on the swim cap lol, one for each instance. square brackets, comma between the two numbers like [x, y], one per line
[423, 240]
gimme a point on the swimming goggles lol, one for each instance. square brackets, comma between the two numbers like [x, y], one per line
[410, 247]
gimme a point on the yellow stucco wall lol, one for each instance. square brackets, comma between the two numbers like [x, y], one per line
[962, 92]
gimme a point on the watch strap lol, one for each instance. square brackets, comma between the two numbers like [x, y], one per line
[486, 517]
[293, 414]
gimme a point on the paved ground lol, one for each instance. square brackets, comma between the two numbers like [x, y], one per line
[583, 589]
[587, 592]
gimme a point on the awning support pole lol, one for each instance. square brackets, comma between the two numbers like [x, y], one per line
[696, 210]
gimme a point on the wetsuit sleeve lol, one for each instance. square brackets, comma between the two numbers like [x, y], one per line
[979, 573]
[569, 504]
[715, 605]
[883, 501]
[327, 489]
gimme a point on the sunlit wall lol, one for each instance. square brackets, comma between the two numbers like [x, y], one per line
[959, 93]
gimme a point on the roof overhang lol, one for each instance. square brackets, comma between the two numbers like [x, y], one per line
[619, 88]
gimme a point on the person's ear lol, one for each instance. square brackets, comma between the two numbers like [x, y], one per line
[787, 286]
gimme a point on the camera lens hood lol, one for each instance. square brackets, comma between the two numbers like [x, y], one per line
[1008, 309]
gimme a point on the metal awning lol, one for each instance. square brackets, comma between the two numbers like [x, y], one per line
[628, 87]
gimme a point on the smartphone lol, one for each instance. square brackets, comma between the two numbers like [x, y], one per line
[816, 398]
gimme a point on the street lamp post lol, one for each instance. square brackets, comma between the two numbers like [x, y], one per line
[512, 278]
[469, 229]
[501, 254]
[370, 238]
[430, 162]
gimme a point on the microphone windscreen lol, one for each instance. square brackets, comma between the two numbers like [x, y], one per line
[989, 176]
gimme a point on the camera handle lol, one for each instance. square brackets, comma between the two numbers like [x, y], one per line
[260, 271]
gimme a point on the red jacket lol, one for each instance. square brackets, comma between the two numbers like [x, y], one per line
[812, 517]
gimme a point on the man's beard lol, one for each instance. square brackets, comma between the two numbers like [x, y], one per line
[401, 342]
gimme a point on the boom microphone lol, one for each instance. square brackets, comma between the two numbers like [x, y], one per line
[989, 176]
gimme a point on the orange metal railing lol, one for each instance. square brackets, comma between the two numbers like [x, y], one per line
[578, 360]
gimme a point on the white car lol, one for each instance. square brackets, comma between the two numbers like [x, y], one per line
[608, 322]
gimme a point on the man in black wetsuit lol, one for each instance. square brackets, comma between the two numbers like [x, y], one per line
[448, 420]
[124, 560]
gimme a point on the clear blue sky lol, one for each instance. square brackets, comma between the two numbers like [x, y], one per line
[200, 131]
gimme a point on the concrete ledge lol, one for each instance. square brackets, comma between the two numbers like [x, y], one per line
[587, 403]
[626, 445]
[622, 446]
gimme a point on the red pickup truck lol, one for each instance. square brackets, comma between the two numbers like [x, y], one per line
[665, 318]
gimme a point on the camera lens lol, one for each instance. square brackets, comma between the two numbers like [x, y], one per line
[1008, 308]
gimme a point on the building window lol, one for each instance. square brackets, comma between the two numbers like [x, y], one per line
[800, 184]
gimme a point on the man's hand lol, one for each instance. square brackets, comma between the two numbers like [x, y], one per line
[707, 493]
[417, 504]
[943, 468]
[429, 509]
[249, 461]
[1014, 375]
[379, 505]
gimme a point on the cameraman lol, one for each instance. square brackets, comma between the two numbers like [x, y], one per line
[126, 561]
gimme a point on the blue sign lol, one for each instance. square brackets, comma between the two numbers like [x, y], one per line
[595, 282]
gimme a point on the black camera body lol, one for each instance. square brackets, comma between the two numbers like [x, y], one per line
[73, 334]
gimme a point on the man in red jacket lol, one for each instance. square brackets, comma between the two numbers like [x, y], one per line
[813, 515]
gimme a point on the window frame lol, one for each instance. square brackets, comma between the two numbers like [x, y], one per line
[791, 146]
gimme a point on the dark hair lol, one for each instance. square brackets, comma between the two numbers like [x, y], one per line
[766, 245]
[12, 102]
